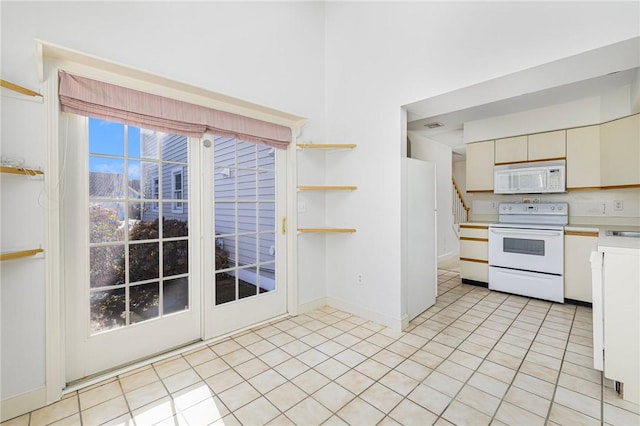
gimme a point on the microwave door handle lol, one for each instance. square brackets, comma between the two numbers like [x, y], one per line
[522, 232]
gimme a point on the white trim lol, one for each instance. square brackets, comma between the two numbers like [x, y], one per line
[23, 403]
[54, 300]
[292, 225]
[396, 324]
[312, 305]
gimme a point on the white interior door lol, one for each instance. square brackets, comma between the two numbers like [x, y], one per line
[420, 235]
[244, 201]
[131, 247]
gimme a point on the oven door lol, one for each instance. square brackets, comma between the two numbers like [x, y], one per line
[536, 250]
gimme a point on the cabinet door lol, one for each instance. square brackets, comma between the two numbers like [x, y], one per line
[547, 146]
[620, 152]
[511, 150]
[480, 167]
[577, 267]
[583, 157]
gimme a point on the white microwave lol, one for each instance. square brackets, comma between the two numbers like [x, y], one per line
[530, 178]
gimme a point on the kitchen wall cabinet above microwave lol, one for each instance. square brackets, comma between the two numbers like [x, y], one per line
[535, 147]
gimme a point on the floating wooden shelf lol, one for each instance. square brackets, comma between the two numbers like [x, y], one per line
[19, 254]
[19, 89]
[327, 230]
[327, 188]
[21, 171]
[327, 145]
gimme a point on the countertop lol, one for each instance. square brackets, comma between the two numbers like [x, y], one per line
[610, 243]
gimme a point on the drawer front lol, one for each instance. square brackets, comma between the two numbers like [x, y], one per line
[474, 271]
[474, 231]
[471, 249]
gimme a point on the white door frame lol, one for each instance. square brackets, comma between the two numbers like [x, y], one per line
[54, 150]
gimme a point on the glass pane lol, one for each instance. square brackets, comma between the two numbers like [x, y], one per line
[222, 255]
[225, 288]
[175, 295]
[174, 148]
[247, 217]
[248, 282]
[133, 140]
[149, 180]
[247, 155]
[266, 157]
[225, 218]
[143, 261]
[247, 249]
[106, 222]
[224, 151]
[143, 222]
[224, 182]
[523, 246]
[107, 310]
[247, 184]
[134, 181]
[267, 186]
[267, 277]
[106, 137]
[143, 302]
[175, 257]
[267, 247]
[106, 177]
[267, 217]
[106, 266]
[227, 246]
[177, 226]
[175, 182]
[149, 144]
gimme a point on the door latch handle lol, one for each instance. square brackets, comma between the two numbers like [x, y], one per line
[284, 225]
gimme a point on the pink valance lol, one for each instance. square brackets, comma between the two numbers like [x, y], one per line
[106, 101]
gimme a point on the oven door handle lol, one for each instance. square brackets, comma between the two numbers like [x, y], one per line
[526, 232]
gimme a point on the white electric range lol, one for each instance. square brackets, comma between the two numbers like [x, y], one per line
[526, 250]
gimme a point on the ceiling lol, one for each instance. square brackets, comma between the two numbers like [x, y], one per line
[452, 110]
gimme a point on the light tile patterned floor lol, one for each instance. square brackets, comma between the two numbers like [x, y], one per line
[476, 357]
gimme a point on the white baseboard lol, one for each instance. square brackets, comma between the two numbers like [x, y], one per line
[448, 256]
[20, 404]
[312, 305]
[396, 324]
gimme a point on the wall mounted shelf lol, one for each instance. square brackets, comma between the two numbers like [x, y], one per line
[19, 89]
[326, 230]
[327, 145]
[327, 187]
[21, 171]
[19, 254]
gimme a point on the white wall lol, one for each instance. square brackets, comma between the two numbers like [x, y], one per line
[348, 67]
[441, 155]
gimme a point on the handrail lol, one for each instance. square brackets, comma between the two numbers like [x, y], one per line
[459, 202]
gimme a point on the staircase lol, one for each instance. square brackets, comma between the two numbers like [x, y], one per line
[460, 210]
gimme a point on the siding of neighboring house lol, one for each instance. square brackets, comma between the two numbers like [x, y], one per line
[174, 156]
[253, 171]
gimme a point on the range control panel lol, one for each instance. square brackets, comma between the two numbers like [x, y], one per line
[534, 208]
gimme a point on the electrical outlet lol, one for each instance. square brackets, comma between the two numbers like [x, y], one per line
[618, 205]
[359, 279]
[302, 206]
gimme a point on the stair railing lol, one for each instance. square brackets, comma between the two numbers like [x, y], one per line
[460, 208]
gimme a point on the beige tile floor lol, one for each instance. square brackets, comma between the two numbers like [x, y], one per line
[476, 357]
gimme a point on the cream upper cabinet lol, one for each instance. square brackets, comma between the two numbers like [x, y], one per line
[547, 146]
[583, 157]
[480, 162]
[577, 267]
[620, 152]
[511, 150]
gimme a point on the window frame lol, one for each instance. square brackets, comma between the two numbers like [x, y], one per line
[177, 206]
